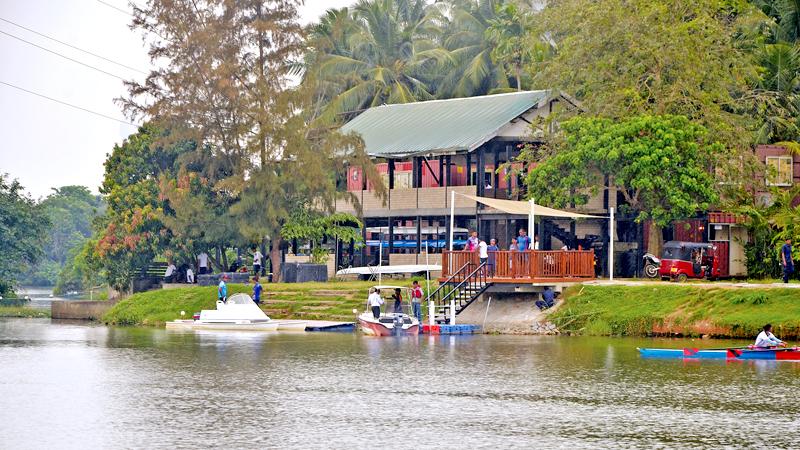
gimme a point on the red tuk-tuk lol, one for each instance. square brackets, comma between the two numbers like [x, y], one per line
[683, 260]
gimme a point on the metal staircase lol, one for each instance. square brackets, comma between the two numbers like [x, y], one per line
[462, 287]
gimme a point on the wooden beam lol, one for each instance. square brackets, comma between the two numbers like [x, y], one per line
[433, 174]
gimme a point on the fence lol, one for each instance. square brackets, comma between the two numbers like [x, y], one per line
[530, 265]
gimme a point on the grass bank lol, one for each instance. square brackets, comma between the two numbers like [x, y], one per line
[678, 310]
[24, 311]
[334, 300]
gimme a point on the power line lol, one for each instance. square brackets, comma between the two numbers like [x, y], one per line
[69, 104]
[116, 8]
[63, 56]
[74, 47]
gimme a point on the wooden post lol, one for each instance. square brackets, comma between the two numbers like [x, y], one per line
[510, 180]
[419, 236]
[468, 157]
[496, 174]
[391, 174]
[441, 171]
[481, 172]
[391, 239]
[447, 175]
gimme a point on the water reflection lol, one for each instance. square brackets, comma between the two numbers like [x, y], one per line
[70, 385]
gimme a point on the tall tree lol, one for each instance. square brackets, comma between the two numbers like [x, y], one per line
[23, 230]
[508, 32]
[629, 57]
[223, 80]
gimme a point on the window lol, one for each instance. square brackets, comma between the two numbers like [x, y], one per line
[719, 232]
[780, 170]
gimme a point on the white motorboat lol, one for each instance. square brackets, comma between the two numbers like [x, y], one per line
[390, 322]
[291, 325]
[239, 313]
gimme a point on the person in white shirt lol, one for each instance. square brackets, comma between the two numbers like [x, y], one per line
[202, 263]
[257, 258]
[767, 339]
[189, 275]
[375, 301]
[169, 275]
[535, 243]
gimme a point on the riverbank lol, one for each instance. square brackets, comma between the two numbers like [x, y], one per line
[678, 310]
[333, 300]
[24, 311]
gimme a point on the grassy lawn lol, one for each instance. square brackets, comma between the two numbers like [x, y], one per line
[23, 311]
[684, 309]
[334, 300]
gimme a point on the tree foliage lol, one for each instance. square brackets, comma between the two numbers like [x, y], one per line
[660, 164]
[23, 230]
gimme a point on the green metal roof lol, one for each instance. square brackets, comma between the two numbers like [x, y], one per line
[439, 126]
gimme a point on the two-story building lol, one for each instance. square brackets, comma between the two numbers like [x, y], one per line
[426, 150]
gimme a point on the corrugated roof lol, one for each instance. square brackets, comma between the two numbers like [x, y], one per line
[438, 126]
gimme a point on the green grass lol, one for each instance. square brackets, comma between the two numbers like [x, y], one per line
[24, 311]
[686, 310]
[333, 300]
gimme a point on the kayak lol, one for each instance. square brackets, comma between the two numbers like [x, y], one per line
[781, 354]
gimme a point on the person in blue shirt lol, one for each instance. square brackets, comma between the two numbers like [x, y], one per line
[222, 290]
[523, 241]
[786, 260]
[548, 299]
[256, 290]
[492, 248]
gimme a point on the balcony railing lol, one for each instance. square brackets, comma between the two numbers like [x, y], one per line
[526, 266]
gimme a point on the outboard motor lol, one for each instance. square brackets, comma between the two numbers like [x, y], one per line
[398, 325]
[652, 265]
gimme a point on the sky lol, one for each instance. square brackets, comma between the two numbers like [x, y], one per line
[45, 144]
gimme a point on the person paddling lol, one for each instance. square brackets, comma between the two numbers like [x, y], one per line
[766, 339]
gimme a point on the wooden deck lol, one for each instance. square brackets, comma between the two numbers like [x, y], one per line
[531, 266]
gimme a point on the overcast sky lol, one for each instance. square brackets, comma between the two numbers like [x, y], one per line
[45, 144]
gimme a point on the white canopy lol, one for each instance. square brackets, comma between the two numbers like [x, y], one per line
[524, 208]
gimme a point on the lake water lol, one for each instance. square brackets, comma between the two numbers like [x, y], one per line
[72, 385]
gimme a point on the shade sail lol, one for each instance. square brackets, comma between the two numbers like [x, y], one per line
[524, 208]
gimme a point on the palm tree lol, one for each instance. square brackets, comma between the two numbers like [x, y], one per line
[390, 56]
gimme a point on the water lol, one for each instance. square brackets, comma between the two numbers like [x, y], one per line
[42, 297]
[72, 385]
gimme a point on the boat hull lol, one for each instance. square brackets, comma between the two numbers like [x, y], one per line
[221, 326]
[372, 328]
[787, 354]
[292, 325]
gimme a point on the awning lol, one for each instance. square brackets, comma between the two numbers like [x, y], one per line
[524, 208]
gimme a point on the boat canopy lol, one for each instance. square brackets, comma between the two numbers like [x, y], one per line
[240, 299]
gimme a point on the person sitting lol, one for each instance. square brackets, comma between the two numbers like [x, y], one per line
[190, 275]
[169, 275]
[398, 301]
[548, 299]
[766, 339]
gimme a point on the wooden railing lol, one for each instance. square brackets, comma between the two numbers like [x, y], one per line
[534, 265]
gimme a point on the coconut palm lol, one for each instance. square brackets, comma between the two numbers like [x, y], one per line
[390, 57]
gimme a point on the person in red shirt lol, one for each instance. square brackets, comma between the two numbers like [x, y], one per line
[416, 300]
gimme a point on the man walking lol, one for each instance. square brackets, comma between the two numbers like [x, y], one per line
[257, 258]
[256, 290]
[786, 260]
[202, 263]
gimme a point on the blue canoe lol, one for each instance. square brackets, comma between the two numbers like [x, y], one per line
[784, 354]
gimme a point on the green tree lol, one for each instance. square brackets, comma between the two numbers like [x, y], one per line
[306, 224]
[623, 58]
[23, 230]
[660, 165]
[509, 32]
[228, 92]
[390, 55]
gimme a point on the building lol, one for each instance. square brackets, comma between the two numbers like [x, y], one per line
[426, 150]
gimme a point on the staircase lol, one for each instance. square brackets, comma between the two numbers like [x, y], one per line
[462, 287]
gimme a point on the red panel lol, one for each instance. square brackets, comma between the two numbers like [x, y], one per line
[689, 230]
[788, 355]
[723, 254]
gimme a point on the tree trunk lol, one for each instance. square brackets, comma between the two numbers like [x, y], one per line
[275, 259]
[519, 78]
[655, 240]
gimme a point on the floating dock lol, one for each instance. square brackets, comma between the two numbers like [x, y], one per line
[328, 326]
[451, 329]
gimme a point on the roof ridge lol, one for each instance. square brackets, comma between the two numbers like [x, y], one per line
[439, 100]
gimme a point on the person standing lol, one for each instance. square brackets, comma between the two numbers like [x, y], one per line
[512, 248]
[202, 263]
[786, 260]
[416, 300]
[492, 249]
[483, 254]
[222, 290]
[257, 259]
[190, 275]
[535, 243]
[398, 301]
[523, 241]
[256, 290]
[472, 242]
[375, 301]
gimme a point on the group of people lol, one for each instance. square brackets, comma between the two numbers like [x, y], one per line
[187, 273]
[375, 301]
[486, 252]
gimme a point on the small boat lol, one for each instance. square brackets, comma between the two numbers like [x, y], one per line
[389, 323]
[239, 313]
[780, 354]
